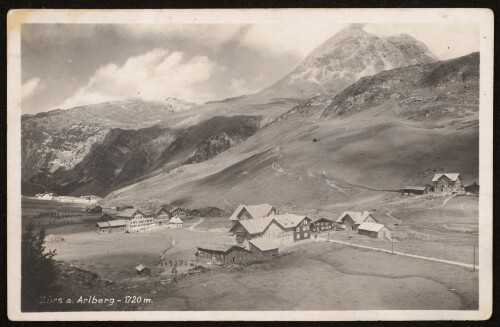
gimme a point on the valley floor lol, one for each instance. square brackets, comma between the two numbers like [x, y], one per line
[312, 275]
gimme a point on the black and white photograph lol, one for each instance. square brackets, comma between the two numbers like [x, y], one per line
[250, 164]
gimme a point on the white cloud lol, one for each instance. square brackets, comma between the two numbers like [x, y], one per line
[154, 75]
[295, 39]
[29, 88]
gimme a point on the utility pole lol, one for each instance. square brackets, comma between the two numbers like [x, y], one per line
[474, 258]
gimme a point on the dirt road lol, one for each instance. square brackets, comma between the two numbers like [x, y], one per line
[461, 264]
[196, 224]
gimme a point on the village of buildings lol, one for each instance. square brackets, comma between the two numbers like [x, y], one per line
[257, 231]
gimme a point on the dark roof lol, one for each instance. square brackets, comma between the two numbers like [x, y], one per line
[218, 247]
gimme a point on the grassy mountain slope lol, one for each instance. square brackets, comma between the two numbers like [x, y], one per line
[314, 157]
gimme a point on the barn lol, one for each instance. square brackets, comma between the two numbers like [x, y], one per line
[143, 270]
[374, 230]
[224, 253]
[320, 224]
[350, 220]
[262, 248]
[417, 190]
[245, 212]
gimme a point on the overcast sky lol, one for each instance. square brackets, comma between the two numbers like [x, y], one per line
[66, 65]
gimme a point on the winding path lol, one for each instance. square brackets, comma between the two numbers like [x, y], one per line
[196, 224]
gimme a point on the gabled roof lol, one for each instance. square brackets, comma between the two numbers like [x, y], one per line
[103, 224]
[288, 220]
[118, 222]
[371, 227]
[160, 210]
[218, 247]
[127, 213]
[141, 267]
[416, 188]
[256, 211]
[452, 176]
[357, 216]
[254, 226]
[175, 220]
[263, 244]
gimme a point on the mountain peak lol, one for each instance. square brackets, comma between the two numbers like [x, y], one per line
[347, 56]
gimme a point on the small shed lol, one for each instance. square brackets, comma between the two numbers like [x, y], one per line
[175, 222]
[262, 248]
[374, 230]
[95, 209]
[143, 270]
[224, 253]
[107, 217]
[418, 190]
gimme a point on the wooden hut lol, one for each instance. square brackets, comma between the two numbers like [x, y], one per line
[224, 253]
[374, 230]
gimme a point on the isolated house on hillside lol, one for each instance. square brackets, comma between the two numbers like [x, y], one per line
[136, 219]
[374, 230]
[352, 219]
[224, 253]
[417, 190]
[320, 223]
[449, 182]
[245, 212]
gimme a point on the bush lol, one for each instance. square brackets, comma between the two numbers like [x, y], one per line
[38, 273]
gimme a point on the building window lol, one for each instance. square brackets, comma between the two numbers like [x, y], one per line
[298, 229]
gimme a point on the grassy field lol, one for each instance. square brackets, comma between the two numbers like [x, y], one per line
[114, 256]
[309, 276]
[327, 276]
